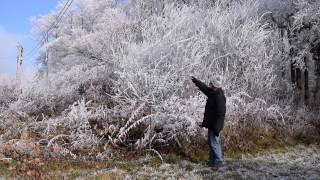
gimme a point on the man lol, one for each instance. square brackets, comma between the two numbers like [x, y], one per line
[214, 114]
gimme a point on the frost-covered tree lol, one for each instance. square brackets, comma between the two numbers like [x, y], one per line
[147, 50]
[306, 49]
[8, 92]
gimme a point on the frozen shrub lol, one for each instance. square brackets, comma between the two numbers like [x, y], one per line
[8, 92]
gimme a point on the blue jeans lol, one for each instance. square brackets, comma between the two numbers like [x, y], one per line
[215, 153]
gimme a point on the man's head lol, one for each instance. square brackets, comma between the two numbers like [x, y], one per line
[216, 82]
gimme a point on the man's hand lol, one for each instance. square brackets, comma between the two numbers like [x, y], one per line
[193, 79]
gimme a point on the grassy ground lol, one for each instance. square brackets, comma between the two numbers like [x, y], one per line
[295, 162]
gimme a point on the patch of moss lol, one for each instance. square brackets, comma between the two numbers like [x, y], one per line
[267, 143]
[7, 168]
[155, 162]
[75, 173]
[128, 166]
[173, 158]
[101, 176]
[107, 176]
[4, 171]
[196, 155]
[255, 146]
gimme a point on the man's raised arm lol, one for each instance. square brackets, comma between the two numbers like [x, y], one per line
[202, 86]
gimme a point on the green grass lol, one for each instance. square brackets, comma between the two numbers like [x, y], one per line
[196, 155]
[7, 168]
[72, 170]
[256, 146]
[4, 171]
[75, 173]
[128, 166]
[155, 162]
[173, 158]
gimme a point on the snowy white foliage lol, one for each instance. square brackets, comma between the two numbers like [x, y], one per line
[8, 92]
[307, 29]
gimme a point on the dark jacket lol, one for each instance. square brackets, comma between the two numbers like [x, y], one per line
[215, 109]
